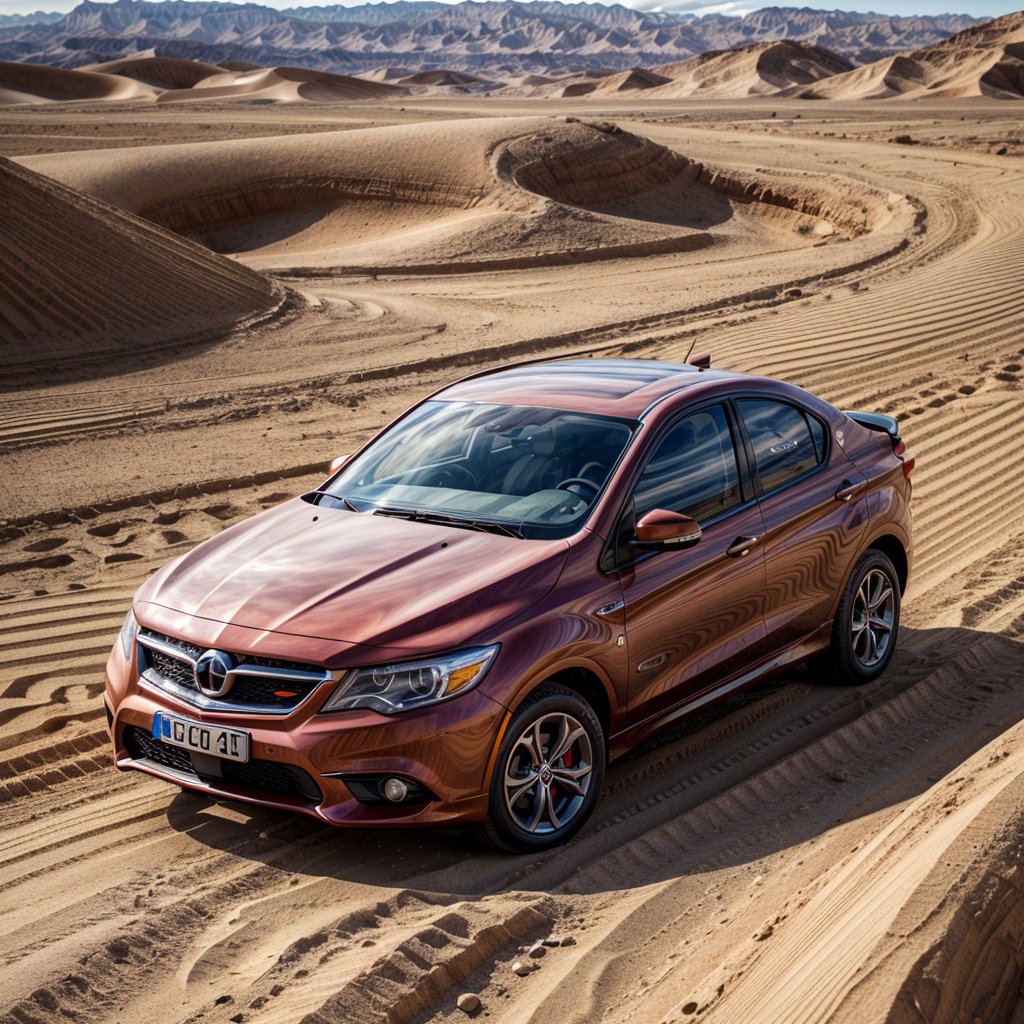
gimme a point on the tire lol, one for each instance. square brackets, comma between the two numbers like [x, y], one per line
[867, 622]
[551, 802]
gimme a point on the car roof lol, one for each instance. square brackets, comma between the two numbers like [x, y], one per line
[607, 387]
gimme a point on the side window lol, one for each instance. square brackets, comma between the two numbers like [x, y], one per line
[784, 446]
[693, 470]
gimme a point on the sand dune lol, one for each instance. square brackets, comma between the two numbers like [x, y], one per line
[758, 70]
[271, 190]
[135, 286]
[282, 85]
[161, 72]
[36, 83]
[624, 81]
[386, 74]
[446, 78]
[239, 65]
[984, 61]
[454, 194]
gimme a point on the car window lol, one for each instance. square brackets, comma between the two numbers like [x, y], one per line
[693, 470]
[784, 447]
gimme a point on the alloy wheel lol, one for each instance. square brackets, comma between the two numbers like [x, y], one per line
[871, 623]
[548, 773]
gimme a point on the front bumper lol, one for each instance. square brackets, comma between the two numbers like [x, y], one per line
[299, 761]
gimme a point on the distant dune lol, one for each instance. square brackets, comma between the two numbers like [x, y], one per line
[385, 74]
[37, 83]
[169, 80]
[78, 277]
[283, 85]
[445, 76]
[758, 70]
[987, 60]
[630, 81]
[162, 72]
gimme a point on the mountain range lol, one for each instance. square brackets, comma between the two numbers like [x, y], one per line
[499, 36]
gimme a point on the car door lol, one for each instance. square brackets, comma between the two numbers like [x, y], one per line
[693, 616]
[813, 503]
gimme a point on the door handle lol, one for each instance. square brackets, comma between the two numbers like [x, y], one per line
[610, 609]
[741, 546]
[847, 489]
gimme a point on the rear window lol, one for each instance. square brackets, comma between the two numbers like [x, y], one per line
[787, 442]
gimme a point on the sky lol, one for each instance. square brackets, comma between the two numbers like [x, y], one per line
[977, 8]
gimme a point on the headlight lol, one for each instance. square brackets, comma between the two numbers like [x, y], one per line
[392, 688]
[128, 631]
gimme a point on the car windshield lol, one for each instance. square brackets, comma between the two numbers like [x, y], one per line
[508, 468]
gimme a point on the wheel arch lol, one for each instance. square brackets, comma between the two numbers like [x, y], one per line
[589, 686]
[892, 547]
[582, 679]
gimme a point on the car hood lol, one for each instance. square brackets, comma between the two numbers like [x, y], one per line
[358, 578]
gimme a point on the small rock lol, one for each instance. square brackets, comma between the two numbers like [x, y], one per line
[552, 943]
[468, 1002]
[792, 293]
[537, 950]
[690, 1008]
[567, 940]
[222, 999]
[521, 968]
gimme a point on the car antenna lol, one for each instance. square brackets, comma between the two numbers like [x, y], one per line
[702, 360]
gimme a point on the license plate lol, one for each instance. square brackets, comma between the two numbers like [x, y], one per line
[232, 744]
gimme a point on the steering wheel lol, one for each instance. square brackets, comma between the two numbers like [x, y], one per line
[569, 481]
[456, 477]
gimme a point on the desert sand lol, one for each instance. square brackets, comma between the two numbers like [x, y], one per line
[804, 853]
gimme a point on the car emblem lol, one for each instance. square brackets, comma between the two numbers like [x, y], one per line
[213, 673]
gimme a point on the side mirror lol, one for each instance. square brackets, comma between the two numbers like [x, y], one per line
[337, 463]
[661, 530]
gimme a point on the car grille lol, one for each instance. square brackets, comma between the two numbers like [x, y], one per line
[260, 776]
[261, 685]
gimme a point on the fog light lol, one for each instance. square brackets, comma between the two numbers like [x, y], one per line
[395, 790]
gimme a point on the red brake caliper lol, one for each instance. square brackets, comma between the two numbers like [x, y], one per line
[566, 763]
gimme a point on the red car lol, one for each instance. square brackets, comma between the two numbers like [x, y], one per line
[509, 587]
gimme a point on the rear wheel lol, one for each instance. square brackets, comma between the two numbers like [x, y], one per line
[867, 621]
[548, 772]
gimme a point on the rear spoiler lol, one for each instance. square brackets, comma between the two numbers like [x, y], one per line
[877, 421]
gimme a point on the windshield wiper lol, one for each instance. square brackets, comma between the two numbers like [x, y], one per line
[335, 497]
[443, 519]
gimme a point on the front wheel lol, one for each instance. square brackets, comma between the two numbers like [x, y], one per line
[867, 621]
[548, 772]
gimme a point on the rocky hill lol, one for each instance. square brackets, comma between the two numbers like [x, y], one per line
[502, 36]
